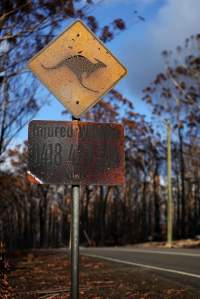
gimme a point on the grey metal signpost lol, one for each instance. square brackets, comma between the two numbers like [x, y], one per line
[78, 69]
[75, 238]
[75, 242]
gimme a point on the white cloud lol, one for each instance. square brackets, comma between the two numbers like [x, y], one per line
[175, 21]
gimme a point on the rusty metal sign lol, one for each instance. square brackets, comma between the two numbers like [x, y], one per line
[77, 68]
[83, 153]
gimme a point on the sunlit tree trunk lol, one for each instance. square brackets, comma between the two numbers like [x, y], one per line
[182, 169]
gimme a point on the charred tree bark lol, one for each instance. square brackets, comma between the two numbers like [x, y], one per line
[43, 215]
[102, 213]
[178, 197]
[144, 213]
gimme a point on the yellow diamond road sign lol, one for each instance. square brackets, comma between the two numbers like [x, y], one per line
[77, 68]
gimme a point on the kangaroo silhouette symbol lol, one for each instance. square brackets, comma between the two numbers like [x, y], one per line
[79, 65]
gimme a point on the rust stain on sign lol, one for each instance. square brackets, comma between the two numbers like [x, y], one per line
[77, 68]
[83, 153]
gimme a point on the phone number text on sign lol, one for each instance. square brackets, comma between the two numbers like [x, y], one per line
[76, 152]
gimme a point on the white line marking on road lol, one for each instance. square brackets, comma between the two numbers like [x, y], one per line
[150, 251]
[142, 265]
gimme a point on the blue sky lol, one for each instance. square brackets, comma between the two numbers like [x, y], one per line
[167, 24]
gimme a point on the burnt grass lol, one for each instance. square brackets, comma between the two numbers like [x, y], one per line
[46, 274]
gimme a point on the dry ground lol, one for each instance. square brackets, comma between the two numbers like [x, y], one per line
[187, 243]
[46, 274]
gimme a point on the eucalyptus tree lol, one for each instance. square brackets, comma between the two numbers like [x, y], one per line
[175, 96]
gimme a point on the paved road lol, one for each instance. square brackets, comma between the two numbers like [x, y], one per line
[182, 265]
